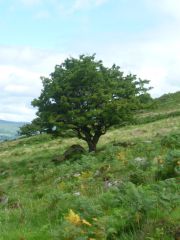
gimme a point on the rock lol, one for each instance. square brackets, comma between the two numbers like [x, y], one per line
[72, 152]
[77, 193]
[140, 159]
[75, 149]
[109, 184]
[58, 159]
[124, 144]
[3, 199]
[97, 173]
[77, 175]
[142, 162]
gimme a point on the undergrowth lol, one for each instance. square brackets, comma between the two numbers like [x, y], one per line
[127, 190]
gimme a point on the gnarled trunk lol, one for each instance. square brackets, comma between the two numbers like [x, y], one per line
[92, 140]
[92, 146]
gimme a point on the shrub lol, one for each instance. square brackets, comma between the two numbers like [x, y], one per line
[170, 167]
[171, 141]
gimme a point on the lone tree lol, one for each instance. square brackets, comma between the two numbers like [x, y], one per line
[84, 95]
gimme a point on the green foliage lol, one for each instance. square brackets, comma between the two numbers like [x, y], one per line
[37, 126]
[28, 130]
[85, 96]
[170, 167]
[156, 117]
[172, 140]
[160, 108]
[108, 195]
[146, 101]
[168, 101]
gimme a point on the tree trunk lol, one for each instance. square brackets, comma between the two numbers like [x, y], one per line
[85, 134]
[92, 146]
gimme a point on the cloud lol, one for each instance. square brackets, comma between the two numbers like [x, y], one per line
[170, 8]
[65, 7]
[151, 56]
[43, 14]
[31, 2]
[20, 82]
[86, 4]
[153, 53]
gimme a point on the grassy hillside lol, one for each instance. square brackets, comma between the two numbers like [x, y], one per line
[163, 107]
[168, 102]
[127, 190]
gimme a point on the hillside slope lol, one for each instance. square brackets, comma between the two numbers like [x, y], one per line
[127, 190]
[168, 102]
[168, 105]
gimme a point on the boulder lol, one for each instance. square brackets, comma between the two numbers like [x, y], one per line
[58, 159]
[75, 149]
[72, 153]
[124, 144]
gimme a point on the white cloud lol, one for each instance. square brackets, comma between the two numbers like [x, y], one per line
[31, 2]
[43, 14]
[65, 7]
[169, 7]
[84, 4]
[155, 58]
[153, 55]
[20, 82]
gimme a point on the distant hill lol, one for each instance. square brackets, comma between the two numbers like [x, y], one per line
[168, 105]
[9, 130]
[168, 102]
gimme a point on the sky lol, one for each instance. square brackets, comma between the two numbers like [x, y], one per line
[142, 37]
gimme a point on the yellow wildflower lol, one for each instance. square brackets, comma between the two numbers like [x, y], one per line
[86, 223]
[159, 160]
[121, 155]
[138, 217]
[73, 218]
[62, 186]
[86, 175]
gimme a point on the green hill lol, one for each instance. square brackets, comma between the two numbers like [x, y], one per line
[8, 129]
[168, 102]
[163, 107]
[128, 190]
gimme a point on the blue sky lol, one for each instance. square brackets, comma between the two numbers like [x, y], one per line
[143, 37]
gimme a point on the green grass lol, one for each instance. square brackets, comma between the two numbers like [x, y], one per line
[168, 102]
[118, 193]
[163, 107]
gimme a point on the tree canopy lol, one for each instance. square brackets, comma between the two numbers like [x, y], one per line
[84, 95]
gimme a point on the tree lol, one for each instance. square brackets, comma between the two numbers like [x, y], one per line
[34, 128]
[84, 95]
[28, 129]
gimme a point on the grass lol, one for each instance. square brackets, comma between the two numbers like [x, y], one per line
[168, 102]
[121, 192]
[166, 106]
